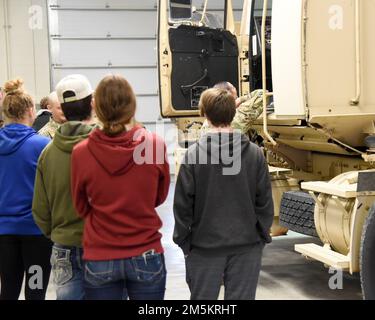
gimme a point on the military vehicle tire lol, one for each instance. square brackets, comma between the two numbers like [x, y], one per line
[367, 257]
[297, 212]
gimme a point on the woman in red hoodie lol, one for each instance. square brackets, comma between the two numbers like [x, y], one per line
[119, 176]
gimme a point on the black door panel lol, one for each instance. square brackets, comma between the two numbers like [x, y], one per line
[201, 57]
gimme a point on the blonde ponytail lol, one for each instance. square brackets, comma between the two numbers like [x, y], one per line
[16, 101]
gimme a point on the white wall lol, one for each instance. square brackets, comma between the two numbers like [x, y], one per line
[26, 52]
[3, 61]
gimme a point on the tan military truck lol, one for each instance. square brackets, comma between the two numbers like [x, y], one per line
[313, 59]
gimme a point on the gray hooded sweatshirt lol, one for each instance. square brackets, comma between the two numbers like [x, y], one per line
[223, 200]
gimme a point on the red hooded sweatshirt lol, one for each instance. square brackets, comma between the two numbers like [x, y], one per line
[117, 182]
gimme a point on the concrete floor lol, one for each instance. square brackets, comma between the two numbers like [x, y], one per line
[285, 274]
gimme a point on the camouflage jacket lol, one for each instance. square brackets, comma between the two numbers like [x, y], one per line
[248, 112]
[49, 129]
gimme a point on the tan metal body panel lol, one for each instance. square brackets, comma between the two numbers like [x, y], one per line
[331, 67]
[330, 55]
[330, 73]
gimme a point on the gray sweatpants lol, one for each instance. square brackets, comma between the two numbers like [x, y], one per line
[240, 273]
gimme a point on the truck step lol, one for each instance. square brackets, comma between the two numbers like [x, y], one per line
[343, 191]
[325, 255]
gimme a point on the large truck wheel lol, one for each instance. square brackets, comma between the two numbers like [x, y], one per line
[367, 260]
[297, 212]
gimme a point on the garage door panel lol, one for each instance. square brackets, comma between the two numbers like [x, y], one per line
[136, 4]
[143, 81]
[101, 23]
[147, 109]
[100, 53]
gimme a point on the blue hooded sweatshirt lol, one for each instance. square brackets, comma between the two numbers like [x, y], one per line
[20, 147]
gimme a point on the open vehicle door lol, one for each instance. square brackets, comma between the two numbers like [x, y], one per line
[196, 51]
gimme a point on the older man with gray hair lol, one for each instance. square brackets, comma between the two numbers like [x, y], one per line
[57, 118]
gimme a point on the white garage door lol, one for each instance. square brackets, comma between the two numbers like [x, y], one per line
[99, 37]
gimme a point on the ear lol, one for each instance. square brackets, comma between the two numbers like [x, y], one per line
[31, 113]
[201, 112]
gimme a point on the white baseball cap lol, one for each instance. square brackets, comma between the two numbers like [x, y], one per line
[73, 88]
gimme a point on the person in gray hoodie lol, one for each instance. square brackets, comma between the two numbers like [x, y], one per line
[223, 206]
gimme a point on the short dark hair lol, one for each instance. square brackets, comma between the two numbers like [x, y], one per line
[218, 106]
[44, 103]
[78, 110]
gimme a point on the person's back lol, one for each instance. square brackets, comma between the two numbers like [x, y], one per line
[53, 207]
[226, 212]
[43, 115]
[52, 198]
[20, 147]
[223, 206]
[119, 176]
[124, 194]
[22, 244]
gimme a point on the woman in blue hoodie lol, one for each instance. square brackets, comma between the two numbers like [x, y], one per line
[23, 248]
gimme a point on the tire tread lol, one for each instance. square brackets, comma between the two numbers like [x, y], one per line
[297, 212]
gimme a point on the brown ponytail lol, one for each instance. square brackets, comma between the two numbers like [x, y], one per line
[115, 104]
[16, 101]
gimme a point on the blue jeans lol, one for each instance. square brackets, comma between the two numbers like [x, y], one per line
[137, 278]
[67, 272]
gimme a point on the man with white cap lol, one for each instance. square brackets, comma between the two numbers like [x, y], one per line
[53, 209]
